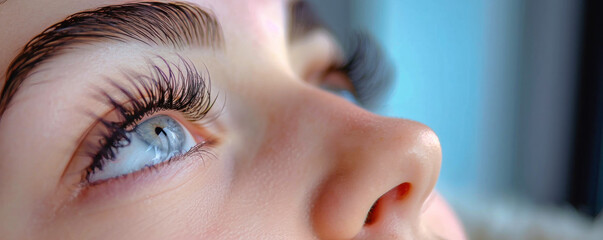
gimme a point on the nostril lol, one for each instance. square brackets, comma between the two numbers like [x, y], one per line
[371, 216]
[396, 194]
[402, 190]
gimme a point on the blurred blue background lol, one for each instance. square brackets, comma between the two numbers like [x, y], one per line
[461, 69]
[496, 80]
[438, 50]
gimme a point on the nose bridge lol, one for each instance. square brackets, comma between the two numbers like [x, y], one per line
[367, 156]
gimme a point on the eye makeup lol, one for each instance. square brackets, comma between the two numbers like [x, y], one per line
[171, 86]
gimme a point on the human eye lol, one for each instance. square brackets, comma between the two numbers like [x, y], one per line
[151, 124]
[151, 142]
[363, 76]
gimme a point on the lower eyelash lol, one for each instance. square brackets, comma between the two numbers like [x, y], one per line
[169, 86]
[368, 69]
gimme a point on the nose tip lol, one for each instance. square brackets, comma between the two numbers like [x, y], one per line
[401, 206]
[429, 158]
[428, 154]
[379, 158]
[418, 158]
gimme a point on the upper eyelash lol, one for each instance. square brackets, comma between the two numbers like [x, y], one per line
[368, 69]
[170, 86]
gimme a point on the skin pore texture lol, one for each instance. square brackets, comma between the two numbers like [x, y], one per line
[281, 157]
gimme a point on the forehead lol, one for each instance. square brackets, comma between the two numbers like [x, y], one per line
[259, 23]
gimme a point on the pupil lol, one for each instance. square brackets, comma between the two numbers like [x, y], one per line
[158, 130]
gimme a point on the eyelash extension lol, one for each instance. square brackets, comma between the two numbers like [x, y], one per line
[174, 87]
[368, 69]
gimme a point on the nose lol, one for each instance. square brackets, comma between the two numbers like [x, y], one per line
[379, 172]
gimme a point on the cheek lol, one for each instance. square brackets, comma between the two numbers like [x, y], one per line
[184, 206]
[439, 217]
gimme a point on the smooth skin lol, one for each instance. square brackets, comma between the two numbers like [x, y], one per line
[293, 161]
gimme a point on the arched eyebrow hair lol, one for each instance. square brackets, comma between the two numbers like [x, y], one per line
[175, 25]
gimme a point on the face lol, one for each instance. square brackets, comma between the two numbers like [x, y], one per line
[202, 120]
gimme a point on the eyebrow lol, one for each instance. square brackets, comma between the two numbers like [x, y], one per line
[175, 25]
